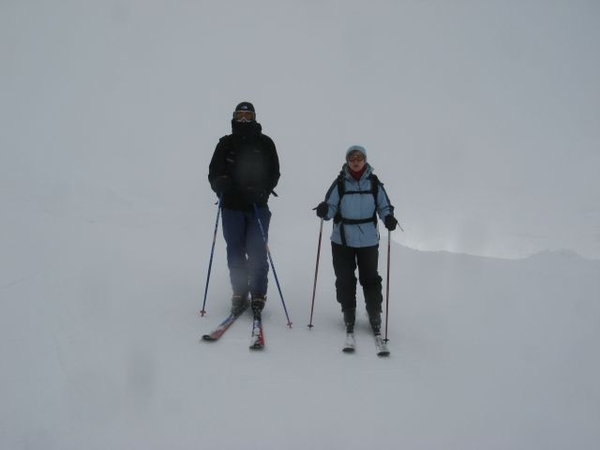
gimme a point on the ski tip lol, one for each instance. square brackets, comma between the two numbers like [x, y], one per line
[208, 338]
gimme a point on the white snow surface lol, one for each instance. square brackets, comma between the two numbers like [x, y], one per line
[100, 342]
[481, 119]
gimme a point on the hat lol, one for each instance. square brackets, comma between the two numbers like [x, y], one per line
[245, 106]
[356, 148]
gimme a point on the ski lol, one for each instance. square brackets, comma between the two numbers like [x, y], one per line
[381, 346]
[349, 343]
[257, 340]
[222, 328]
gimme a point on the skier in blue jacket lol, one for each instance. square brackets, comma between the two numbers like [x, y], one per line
[354, 201]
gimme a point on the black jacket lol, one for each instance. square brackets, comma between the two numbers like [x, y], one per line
[249, 158]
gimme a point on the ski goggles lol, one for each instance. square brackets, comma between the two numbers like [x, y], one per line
[243, 116]
[356, 157]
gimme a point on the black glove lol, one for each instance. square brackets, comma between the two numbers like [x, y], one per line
[255, 195]
[222, 184]
[322, 209]
[390, 222]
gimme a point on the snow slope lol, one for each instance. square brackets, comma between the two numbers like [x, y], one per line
[481, 120]
[99, 337]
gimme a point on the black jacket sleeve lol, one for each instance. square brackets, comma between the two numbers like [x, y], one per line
[274, 173]
[218, 164]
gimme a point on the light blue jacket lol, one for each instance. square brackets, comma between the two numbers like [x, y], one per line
[357, 204]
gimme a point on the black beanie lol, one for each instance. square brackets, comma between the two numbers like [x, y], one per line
[245, 106]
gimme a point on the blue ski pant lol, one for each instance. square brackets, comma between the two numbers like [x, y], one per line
[247, 257]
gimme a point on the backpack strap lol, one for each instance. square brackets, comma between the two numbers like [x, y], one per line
[341, 191]
[341, 185]
[375, 189]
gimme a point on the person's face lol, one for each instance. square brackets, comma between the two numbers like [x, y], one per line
[356, 161]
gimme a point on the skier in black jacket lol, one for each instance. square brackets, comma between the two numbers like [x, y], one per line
[243, 172]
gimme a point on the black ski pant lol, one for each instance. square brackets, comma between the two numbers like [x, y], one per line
[345, 261]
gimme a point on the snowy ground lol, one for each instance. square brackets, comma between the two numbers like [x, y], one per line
[99, 337]
[480, 117]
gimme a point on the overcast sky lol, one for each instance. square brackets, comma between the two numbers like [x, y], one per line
[481, 117]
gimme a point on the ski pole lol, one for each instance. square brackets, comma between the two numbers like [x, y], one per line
[212, 252]
[387, 288]
[264, 236]
[387, 284]
[312, 306]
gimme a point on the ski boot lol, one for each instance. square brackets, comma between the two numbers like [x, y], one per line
[375, 321]
[258, 303]
[239, 303]
[349, 318]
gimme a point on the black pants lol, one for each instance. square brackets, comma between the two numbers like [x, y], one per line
[345, 261]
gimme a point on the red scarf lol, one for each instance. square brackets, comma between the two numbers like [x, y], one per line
[359, 174]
